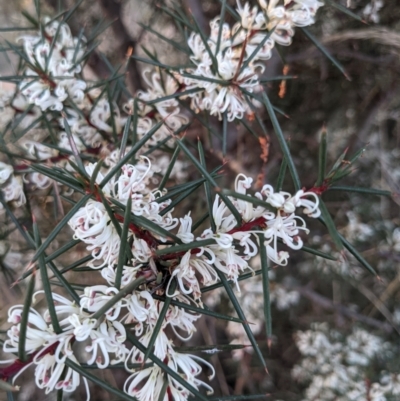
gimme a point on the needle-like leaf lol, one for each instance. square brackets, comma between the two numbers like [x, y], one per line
[24, 319]
[282, 142]
[241, 315]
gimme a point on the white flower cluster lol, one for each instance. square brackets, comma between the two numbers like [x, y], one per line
[11, 186]
[335, 366]
[277, 223]
[92, 224]
[152, 109]
[48, 350]
[52, 80]
[230, 249]
[53, 60]
[228, 64]
[105, 343]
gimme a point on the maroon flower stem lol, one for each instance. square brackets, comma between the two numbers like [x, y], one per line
[11, 370]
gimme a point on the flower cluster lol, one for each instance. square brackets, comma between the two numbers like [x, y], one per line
[335, 366]
[48, 350]
[138, 309]
[90, 122]
[158, 270]
[53, 59]
[152, 108]
[275, 221]
[227, 64]
[105, 343]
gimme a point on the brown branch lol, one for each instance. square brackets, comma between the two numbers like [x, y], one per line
[326, 303]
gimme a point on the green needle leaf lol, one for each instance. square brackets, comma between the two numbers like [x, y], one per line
[24, 319]
[207, 187]
[46, 284]
[282, 142]
[265, 284]
[248, 198]
[131, 153]
[210, 349]
[325, 52]
[184, 247]
[169, 169]
[317, 253]
[241, 315]
[367, 191]
[170, 41]
[207, 46]
[125, 135]
[200, 311]
[242, 277]
[256, 50]
[124, 244]
[345, 10]
[330, 225]
[357, 255]
[224, 132]
[221, 24]
[64, 283]
[281, 176]
[322, 158]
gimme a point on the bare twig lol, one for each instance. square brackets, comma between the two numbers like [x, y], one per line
[326, 303]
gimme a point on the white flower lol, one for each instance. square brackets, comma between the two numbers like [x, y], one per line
[146, 384]
[185, 230]
[13, 191]
[39, 151]
[82, 328]
[92, 225]
[168, 110]
[225, 96]
[101, 114]
[300, 200]
[203, 266]
[142, 309]
[180, 320]
[64, 142]
[186, 277]
[97, 296]
[51, 372]
[79, 126]
[140, 251]
[38, 333]
[286, 228]
[229, 262]
[250, 18]
[50, 77]
[109, 339]
[38, 180]
[5, 172]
